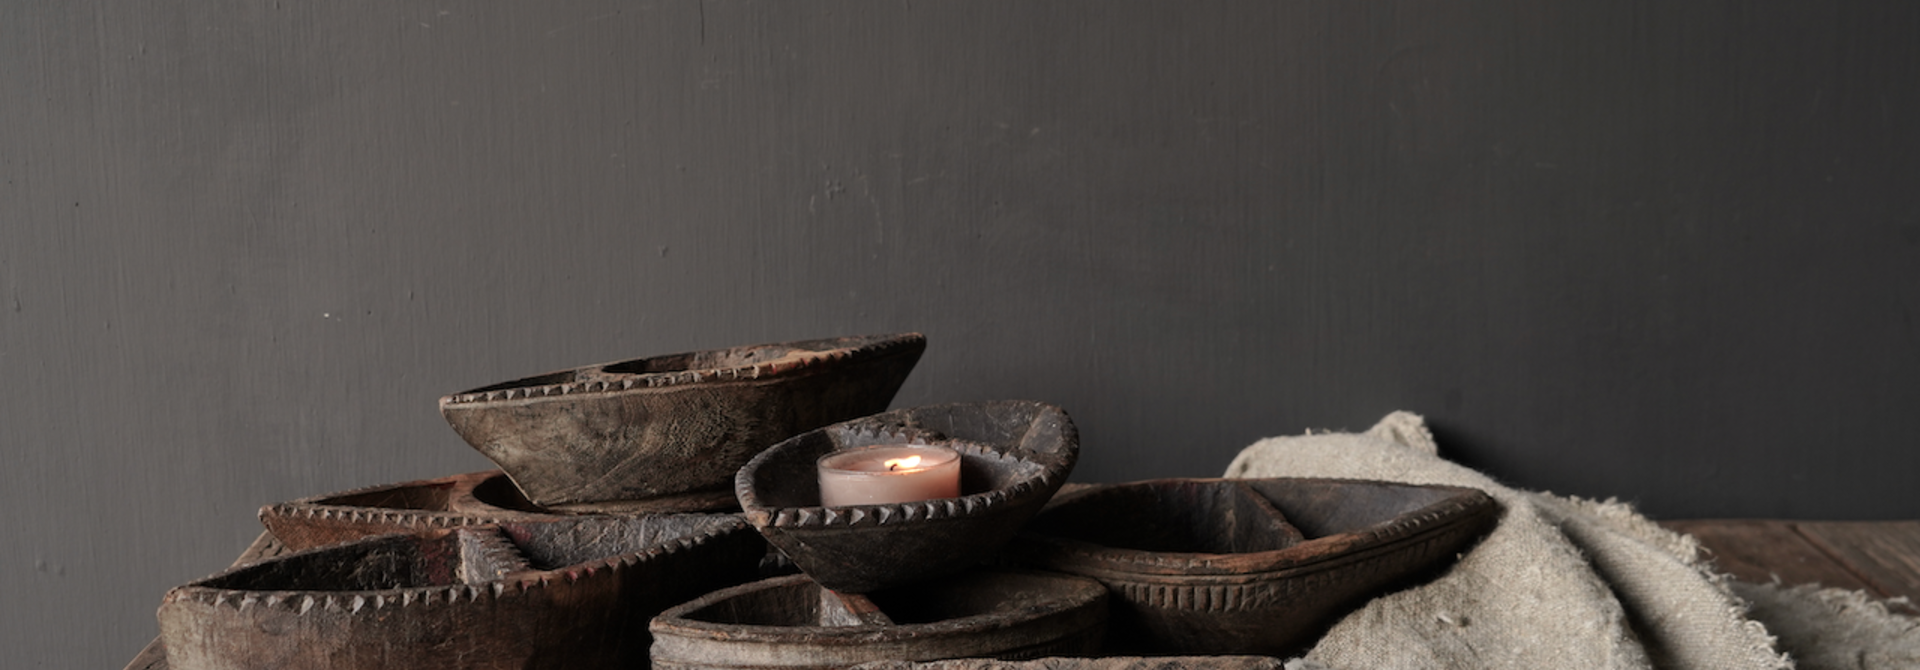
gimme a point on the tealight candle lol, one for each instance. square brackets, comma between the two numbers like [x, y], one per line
[891, 474]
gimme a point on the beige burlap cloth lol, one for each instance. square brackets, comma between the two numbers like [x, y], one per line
[1571, 583]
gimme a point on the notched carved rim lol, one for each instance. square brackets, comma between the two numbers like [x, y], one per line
[354, 602]
[798, 359]
[975, 504]
[861, 432]
[320, 507]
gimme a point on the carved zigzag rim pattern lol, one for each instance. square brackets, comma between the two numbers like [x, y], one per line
[422, 519]
[883, 515]
[803, 360]
[1285, 589]
[369, 602]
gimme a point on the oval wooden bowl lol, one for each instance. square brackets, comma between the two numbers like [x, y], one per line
[779, 623]
[1014, 456]
[1250, 566]
[666, 425]
[471, 499]
[575, 593]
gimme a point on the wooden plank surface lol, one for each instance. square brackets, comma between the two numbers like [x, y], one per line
[1885, 555]
[1759, 551]
[1879, 557]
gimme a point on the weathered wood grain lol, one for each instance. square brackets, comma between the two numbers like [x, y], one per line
[1249, 566]
[154, 655]
[1885, 555]
[1760, 551]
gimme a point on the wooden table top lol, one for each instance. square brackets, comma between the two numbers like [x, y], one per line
[1880, 557]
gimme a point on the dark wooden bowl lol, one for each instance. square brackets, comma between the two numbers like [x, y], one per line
[666, 425]
[781, 623]
[573, 593]
[1249, 566]
[470, 499]
[1014, 455]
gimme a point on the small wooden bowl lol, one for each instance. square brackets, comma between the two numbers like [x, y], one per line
[780, 623]
[573, 593]
[1014, 455]
[666, 425]
[1249, 566]
[470, 499]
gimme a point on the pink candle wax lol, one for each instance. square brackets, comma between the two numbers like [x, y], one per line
[890, 474]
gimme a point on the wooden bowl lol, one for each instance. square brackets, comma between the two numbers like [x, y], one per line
[781, 623]
[666, 425]
[470, 499]
[573, 593]
[1249, 566]
[1014, 455]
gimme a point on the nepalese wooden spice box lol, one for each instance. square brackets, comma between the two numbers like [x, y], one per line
[447, 502]
[1252, 566]
[573, 593]
[676, 424]
[790, 622]
[1013, 456]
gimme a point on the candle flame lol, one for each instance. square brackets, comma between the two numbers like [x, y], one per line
[897, 463]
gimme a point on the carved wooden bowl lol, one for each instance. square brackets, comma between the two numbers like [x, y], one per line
[666, 425]
[1250, 566]
[573, 593]
[1014, 455]
[782, 623]
[470, 499]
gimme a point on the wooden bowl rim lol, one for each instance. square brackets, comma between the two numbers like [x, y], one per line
[1053, 471]
[356, 602]
[1080, 592]
[795, 364]
[1139, 564]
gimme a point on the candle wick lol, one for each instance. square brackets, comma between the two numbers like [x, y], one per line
[893, 466]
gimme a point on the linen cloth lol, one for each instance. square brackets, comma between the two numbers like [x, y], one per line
[1569, 583]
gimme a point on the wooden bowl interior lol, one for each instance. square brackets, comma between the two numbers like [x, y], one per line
[789, 477]
[978, 593]
[1176, 516]
[1320, 507]
[433, 496]
[468, 555]
[551, 545]
[548, 379]
[1229, 516]
[438, 496]
[711, 359]
[500, 492]
[389, 562]
[796, 602]
[702, 360]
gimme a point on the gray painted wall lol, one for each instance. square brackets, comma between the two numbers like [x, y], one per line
[1667, 251]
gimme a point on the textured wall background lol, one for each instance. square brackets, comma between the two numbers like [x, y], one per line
[1667, 251]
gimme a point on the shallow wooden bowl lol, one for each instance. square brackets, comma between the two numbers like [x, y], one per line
[572, 593]
[666, 425]
[1014, 455]
[470, 499]
[781, 623]
[1249, 566]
